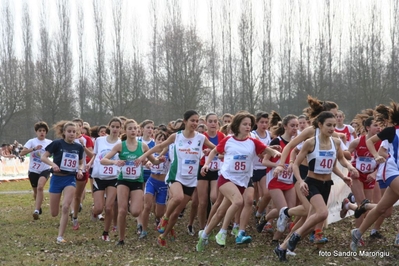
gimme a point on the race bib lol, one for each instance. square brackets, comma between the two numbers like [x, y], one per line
[36, 165]
[285, 177]
[69, 162]
[108, 170]
[240, 164]
[158, 169]
[215, 164]
[324, 162]
[130, 171]
[189, 167]
[366, 164]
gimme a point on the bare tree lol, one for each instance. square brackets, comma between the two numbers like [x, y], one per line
[100, 71]
[11, 87]
[249, 76]
[29, 74]
[83, 86]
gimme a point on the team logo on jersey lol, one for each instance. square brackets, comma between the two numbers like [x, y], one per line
[199, 143]
[190, 161]
[71, 155]
[104, 152]
[326, 153]
[240, 157]
[189, 142]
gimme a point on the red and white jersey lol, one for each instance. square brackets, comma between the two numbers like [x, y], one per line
[238, 158]
[363, 159]
[348, 131]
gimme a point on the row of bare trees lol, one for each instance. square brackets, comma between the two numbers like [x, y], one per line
[255, 55]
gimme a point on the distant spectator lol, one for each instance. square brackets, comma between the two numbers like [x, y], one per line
[6, 152]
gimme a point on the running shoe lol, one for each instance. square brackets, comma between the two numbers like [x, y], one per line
[101, 217]
[268, 228]
[343, 211]
[362, 208]
[234, 231]
[376, 235]
[282, 220]
[261, 224]
[289, 252]
[274, 243]
[61, 240]
[281, 254]
[105, 238]
[355, 240]
[221, 239]
[161, 241]
[120, 243]
[190, 230]
[143, 234]
[200, 236]
[293, 241]
[311, 237]
[351, 198]
[75, 224]
[139, 229]
[242, 238]
[40, 211]
[361, 242]
[319, 239]
[201, 243]
[35, 215]
[114, 229]
[181, 214]
[162, 225]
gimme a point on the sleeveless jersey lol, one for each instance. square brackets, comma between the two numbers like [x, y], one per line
[101, 148]
[130, 172]
[322, 161]
[391, 166]
[363, 159]
[216, 162]
[266, 140]
[186, 158]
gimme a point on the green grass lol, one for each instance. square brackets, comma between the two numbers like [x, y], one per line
[28, 242]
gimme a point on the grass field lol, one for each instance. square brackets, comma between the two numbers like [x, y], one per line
[28, 242]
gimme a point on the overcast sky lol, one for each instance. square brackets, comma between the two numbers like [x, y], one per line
[137, 18]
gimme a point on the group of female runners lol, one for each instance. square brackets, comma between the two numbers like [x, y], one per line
[283, 164]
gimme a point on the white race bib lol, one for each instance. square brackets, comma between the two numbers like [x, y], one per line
[130, 171]
[36, 166]
[324, 162]
[241, 164]
[69, 162]
[366, 164]
[108, 170]
[189, 168]
[215, 164]
[285, 177]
